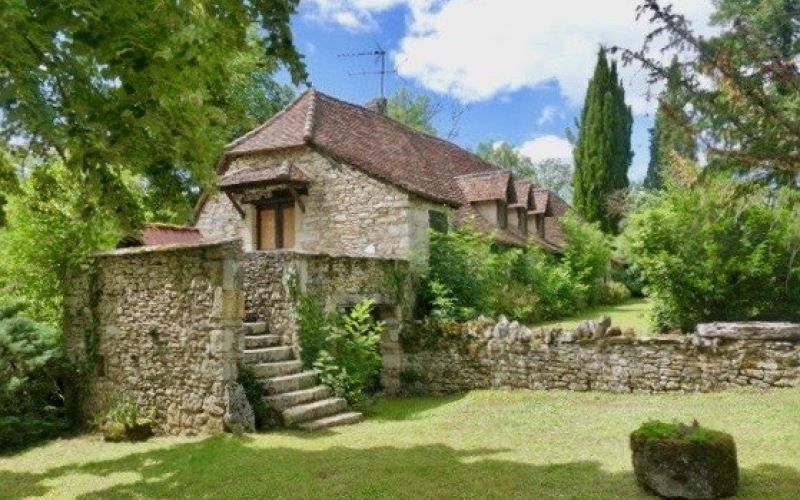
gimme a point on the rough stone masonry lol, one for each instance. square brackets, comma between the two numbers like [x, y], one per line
[599, 357]
[159, 327]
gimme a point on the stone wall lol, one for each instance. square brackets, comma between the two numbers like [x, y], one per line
[347, 212]
[166, 323]
[272, 280]
[480, 355]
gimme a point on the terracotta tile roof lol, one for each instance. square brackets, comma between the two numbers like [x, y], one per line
[374, 143]
[523, 188]
[270, 174]
[540, 199]
[485, 186]
[163, 234]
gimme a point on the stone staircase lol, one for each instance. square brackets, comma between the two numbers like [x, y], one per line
[289, 389]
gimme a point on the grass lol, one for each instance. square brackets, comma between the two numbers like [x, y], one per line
[633, 313]
[485, 444]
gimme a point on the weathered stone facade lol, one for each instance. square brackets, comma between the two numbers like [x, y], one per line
[346, 212]
[166, 324]
[509, 355]
[272, 280]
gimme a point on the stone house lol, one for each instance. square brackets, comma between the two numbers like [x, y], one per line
[326, 176]
[327, 198]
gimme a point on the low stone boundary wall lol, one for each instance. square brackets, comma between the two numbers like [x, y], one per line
[159, 326]
[480, 355]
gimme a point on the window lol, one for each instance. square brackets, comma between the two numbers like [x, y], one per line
[275, 226]
[437, 221]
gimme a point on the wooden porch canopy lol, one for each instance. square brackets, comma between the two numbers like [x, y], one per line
[285, 175]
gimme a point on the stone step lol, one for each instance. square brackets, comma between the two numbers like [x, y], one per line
[258, 341]
[276, 369]
[289, 383]
[313, 411]
[268, 354]
[346, 418]
[283, 401]
[255, 328]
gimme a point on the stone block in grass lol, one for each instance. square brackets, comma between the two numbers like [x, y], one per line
[674, 460]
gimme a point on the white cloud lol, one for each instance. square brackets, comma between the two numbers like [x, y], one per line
[548, 114]
[546, 147]
[478, 49]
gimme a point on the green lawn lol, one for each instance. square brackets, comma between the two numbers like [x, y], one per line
[486, 444]
[633, 313]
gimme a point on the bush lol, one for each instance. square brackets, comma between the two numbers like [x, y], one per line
[254, 391]
[468, 277]
[613, 292]
[122, 422]
[312, 323]
[721, 250]
[350, 361]
[32, 371]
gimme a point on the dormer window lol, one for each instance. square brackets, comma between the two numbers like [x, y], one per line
[502, 215]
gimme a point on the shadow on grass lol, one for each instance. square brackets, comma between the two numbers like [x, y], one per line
[225, 467]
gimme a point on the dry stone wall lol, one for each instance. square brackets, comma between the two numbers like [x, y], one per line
[480, 355]
[160, 326]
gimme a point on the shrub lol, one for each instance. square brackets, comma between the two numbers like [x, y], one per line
[254, 391]
[32, 371]
[351, 361]
[312, 323]
[122, 422]
[613, 292]
[719, 250]
[586, 257]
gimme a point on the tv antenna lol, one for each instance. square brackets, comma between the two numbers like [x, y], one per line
[380, 56]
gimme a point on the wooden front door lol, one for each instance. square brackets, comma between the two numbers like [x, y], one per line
[276, 226]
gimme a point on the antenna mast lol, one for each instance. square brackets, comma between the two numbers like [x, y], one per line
[380, 55]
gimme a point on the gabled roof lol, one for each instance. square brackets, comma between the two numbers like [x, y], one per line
[540, 200]
[522, 188]
[270, 174]
[378, 145]
[485, 186]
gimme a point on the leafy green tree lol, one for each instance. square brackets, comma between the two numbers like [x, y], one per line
[603, 150]
[135, 86]
[556, 175]
[741, 84]
[505, 156]
[52, 225]
[415, 111]
[672, 134]
[718, 250]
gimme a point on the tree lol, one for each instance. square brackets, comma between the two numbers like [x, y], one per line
[505, 156]
[741, 84]
[415, 111]
[556, 175]
[672, 132]
[134, 86]
[603, 150]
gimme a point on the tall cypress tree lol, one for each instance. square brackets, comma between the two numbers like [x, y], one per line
[603, 150]
[671, 133]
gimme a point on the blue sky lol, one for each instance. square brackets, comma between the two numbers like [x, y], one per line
[518, 67]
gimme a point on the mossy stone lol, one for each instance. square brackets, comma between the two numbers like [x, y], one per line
[685, 461]
[116, 432]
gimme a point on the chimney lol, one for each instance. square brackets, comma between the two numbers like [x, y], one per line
[377, 105]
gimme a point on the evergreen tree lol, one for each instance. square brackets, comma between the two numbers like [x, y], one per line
[671, 133]
[603, 150]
